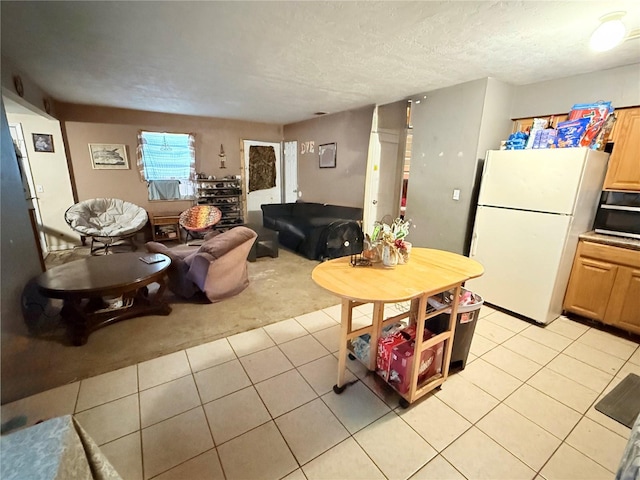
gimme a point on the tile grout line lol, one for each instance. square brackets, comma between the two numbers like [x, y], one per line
[500, 402]
[192, 373]
[582, 415]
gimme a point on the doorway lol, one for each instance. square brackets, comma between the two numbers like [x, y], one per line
[48, 188]
[388, 163]
[290, 171]
[383, 186]
[262, 172]
[15, 129]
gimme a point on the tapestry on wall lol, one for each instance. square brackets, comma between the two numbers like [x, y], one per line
[262, 168]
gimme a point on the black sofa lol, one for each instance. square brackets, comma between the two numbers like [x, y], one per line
[306, 227]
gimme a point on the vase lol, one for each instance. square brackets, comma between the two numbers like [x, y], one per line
[389, 256]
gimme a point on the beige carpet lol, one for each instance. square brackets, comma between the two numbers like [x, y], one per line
[280, 288]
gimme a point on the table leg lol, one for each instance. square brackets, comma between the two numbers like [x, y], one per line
[82, 319]
[378, 317]
[77, 322]
[345, 329]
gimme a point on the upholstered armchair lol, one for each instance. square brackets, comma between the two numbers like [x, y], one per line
[218, 267]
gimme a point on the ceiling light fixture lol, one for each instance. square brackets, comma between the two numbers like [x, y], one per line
[610, 33]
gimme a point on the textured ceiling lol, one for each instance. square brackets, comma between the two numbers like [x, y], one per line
[280, 62]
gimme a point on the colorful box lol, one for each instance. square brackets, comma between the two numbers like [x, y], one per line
[386, 346]
[401, 364]
[544, 138]
[570, 133]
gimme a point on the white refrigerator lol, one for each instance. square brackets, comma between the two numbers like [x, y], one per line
[532, 206]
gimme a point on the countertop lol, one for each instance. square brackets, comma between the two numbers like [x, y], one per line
[630, 243]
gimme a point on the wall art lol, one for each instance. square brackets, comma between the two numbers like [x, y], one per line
[107, 156]
[42, 142]
[327, 153]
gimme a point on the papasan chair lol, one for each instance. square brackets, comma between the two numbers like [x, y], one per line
[106, 221]
[199, 219]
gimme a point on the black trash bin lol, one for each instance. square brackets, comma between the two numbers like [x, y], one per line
[465, 325]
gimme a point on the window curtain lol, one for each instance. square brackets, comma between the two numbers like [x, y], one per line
[168, 156]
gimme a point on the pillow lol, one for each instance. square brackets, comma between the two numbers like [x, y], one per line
[221, 244]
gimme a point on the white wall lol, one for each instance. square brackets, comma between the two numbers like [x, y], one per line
[50, 171]
[446, 129]
[495, 124]
[452, 130]
[618, 85]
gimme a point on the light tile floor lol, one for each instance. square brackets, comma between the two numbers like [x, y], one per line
[260, 405]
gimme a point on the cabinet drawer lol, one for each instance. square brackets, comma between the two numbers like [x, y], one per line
[608, 253]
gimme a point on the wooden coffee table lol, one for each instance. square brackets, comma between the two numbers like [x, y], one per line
[101, 290]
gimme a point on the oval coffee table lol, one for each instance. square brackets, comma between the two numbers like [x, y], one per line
[100, 290]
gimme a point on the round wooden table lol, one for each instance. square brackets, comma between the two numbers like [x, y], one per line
[100, 290]
[428, 272]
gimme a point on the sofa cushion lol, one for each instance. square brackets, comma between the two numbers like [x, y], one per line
[223, 243]
[323, 210]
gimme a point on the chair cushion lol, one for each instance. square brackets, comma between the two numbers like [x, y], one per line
[221, 244]
[106, 217]
[200, 217]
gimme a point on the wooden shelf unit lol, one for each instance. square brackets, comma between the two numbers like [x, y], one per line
[418, 314]
[165, 226]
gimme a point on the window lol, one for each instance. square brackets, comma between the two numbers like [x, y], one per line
[167, 161]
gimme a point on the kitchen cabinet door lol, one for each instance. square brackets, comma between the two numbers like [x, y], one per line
[590, 287]
[624, 164]
[624, 307]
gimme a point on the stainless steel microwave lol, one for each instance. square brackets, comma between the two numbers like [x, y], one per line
[618, 214]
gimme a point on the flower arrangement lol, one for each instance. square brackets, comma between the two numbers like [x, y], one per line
[392, 237]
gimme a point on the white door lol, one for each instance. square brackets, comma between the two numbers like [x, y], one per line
[383, 178]
[521, 254]
[290, 171]
[266, 195]
[539, 180]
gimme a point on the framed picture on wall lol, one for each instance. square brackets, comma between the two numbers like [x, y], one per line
[107, 156]
[327, 152]
[42, 142]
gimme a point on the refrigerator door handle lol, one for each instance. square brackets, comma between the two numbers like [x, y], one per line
[474, 245]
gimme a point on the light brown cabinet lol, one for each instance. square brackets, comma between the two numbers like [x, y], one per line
[605, 285]
[624, 163]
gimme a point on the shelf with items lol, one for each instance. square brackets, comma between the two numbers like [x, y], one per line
[165, 227]
[400, 342]
[225, 194]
